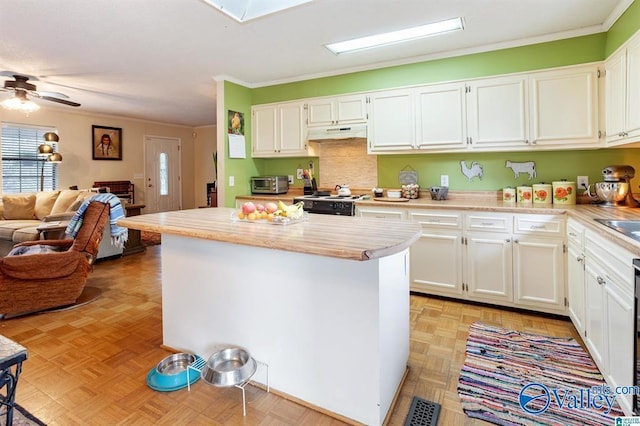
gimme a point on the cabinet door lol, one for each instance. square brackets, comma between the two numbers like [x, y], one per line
[320, 112]
[633, 88]
[576, 288]
[441, 116]
[497, 112]
[392, 121]
[436, 263]
[264, 132]
[351, 109]
[292, 139]
[488, 266]
[620, 319]
[539, 273]
[595, 337]
[565, 107]
[615, 97]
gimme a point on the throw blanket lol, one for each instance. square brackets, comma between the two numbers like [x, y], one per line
[119, 234]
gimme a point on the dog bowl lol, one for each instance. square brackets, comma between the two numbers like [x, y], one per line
[229, 367]
[171, 373]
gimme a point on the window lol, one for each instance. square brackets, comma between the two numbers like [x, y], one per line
[23, 170]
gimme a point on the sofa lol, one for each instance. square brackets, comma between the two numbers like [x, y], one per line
[22, 214]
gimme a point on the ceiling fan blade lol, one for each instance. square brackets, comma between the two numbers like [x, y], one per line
[60, 101]
[13, 73]
[41, 93]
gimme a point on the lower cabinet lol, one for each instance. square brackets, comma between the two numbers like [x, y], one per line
[609, 327]
[576, 292]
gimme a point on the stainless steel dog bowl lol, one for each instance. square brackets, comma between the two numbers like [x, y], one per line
[175, 364]
[229, 367]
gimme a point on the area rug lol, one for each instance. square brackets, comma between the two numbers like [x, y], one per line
[21, 417]
[150, 238]
[516, 378]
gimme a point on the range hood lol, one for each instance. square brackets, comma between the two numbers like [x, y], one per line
[347, 131]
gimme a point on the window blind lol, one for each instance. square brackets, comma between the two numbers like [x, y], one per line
[23, 169]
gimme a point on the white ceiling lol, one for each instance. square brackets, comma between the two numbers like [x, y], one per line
[159, 59]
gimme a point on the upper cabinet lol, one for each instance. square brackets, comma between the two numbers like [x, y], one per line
[278, 130]
[622, 99]
[552, 109]
[339, 110]
[564, 107]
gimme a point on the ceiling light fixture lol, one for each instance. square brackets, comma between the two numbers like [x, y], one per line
[394, 37]
[245, 10]
[20, 102]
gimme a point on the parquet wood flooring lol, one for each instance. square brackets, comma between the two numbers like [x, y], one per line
[88, 366]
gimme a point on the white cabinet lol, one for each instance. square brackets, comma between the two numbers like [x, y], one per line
[278, 130]
[576, 292]
[497, 111]
[381, 212]
[339, 110]
[392, 121]
[441, 116]
[436, 265]
[622, 99]
[609, 334]
[564, 107]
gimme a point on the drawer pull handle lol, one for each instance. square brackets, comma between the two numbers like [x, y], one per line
[572, 234]
[434, 220]
[538, 227]
[487, 223]
[601, 280]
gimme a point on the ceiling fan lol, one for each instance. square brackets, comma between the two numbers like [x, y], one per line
[22, 90]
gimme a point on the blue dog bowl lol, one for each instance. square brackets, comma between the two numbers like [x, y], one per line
[172, 373]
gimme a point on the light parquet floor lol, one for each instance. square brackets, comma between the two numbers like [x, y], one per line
[88, 365]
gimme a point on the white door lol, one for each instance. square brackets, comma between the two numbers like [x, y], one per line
[392, 121]
[441, 116]
[489, 266]
[162, 174]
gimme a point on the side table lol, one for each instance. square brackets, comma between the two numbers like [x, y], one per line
[11, 357]
[134, 242]
[52, 230]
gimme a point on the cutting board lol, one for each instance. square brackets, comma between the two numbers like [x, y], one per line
[391, 200]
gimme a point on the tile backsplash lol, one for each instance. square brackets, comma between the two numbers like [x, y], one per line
[347, 162]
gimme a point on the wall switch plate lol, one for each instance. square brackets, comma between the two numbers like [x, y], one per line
[232, 180]
[583, 182]
[299, 174]
[290, 179]
[444, 180]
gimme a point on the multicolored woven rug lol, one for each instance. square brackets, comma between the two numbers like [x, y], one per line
[514, 378]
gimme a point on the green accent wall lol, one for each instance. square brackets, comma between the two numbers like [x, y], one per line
[238, 98]
[626, 26]
[551, 165]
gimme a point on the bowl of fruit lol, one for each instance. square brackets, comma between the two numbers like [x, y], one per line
[274, 213]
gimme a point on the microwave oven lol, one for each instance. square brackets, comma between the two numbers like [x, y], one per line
[269, 184]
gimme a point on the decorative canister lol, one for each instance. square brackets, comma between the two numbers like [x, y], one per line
[564, 192]
[509, 194]
[524, 194]
[542, 193]
[410, 190]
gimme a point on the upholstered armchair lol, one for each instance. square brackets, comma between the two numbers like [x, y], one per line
[39, 275]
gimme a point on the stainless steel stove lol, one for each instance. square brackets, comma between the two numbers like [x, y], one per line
[329, 204]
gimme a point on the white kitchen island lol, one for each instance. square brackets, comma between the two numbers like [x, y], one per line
[325, 302]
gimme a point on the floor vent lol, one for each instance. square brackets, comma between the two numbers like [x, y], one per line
[422, 413]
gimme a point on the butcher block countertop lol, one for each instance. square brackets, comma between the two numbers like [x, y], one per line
[325, 235]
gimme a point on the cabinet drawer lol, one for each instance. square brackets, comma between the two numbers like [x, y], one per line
[539, 224]
[616, 260]
[489, 222]
[575, 233]
[382, 213]
[439, 219]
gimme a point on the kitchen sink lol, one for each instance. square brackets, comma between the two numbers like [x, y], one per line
[630, 228]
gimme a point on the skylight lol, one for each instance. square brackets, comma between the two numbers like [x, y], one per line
[244, 10]
[394, 37]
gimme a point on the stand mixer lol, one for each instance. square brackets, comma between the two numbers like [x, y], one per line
[615, 191]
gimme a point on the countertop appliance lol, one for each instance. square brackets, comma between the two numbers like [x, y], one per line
[269, 184]
[615, 191]
[325, 203]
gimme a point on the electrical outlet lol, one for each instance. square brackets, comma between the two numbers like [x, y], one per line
[290, 179]
[444, 180]
[299, 174]
[583, 182]
[232, 180]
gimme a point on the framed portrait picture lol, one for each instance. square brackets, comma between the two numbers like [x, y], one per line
[107, 143]
[235, 123]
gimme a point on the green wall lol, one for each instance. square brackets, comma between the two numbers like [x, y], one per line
[551, 165]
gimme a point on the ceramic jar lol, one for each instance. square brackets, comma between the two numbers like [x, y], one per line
[564, 192]
[509, 194]
[542, 193]
[524, 194]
